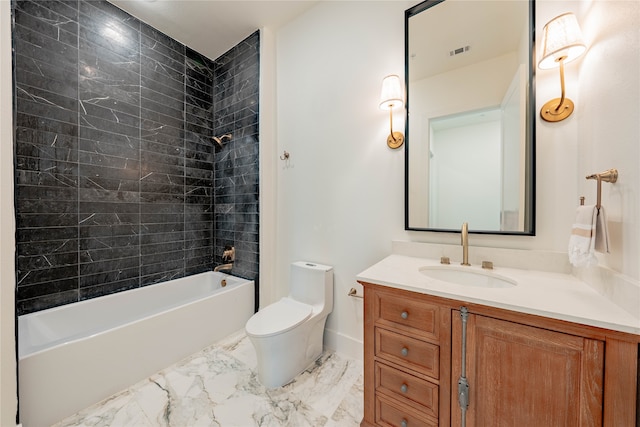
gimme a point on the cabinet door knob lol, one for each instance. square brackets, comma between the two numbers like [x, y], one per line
[404, 351]
[404, 423]
[404, 388]
[404, 315]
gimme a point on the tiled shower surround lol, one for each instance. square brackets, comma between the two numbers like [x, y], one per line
[119, 184]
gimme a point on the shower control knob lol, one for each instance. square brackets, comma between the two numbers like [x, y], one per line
[404, 351]
[404, 315]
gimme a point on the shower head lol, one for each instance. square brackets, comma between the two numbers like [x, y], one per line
[218, 139]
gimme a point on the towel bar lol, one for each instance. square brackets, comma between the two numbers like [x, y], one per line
[610, 175]
[354, 293]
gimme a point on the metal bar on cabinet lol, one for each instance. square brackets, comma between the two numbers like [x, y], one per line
[463, 384]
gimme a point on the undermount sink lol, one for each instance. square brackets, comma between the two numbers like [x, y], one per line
[466, 277]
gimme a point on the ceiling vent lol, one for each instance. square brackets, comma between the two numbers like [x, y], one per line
[459, 50]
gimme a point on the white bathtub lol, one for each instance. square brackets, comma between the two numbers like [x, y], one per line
[73, 356]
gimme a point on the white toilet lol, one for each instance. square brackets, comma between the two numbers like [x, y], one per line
[287, 335]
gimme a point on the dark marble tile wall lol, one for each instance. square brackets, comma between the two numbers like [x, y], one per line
[47, 156]
[236, 92]
[109, 151]
[114, 164]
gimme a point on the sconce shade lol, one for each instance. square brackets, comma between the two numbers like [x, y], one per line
[391, 96]
[561, 40]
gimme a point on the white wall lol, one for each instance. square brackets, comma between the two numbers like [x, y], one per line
[604, 130]
[340, 197]
[609, 122]
[268, 164]
[8, 399]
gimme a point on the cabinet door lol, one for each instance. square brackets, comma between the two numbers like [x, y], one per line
[523, 376]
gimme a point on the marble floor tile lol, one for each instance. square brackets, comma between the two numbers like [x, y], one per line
[219, 387]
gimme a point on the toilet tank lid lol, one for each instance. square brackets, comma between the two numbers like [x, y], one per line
[278, 318]
[313, 265]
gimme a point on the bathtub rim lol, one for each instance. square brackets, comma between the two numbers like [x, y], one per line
[96, 332]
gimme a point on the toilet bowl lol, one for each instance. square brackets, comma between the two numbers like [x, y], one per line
[287, 335]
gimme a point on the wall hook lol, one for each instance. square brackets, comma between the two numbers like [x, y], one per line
[285, 155]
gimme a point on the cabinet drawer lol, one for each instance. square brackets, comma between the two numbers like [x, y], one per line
[408, 313]
[410, 352]
[391, 413]
[407, 388]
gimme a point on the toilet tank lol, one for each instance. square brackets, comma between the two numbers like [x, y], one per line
[312, 283]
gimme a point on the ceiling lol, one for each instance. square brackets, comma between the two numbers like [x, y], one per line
[489, 28]
[212, 27]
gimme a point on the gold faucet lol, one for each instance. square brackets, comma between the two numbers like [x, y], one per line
[464, 237]
[224, 268]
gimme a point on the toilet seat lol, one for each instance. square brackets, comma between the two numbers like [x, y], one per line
[277, 318]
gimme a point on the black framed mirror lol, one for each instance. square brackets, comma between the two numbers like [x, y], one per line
[470, 128]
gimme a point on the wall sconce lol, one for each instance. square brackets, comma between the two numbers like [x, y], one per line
[391, 98]
[561, 42]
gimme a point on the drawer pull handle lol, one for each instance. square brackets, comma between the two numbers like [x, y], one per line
[404, 351]
[404, 423]
[404, 315]
[404, 388]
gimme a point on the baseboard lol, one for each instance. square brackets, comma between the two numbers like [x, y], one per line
[343, 344]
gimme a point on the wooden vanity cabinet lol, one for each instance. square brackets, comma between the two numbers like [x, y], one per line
[407, 352]
[522, 370]
[527, 376]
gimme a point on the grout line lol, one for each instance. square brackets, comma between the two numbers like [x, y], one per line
[139, 154]
[78, 184]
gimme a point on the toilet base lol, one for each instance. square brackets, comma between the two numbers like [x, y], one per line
[282, 357]
[275, 379]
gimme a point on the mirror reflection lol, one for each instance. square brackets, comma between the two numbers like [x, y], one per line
[469, 124]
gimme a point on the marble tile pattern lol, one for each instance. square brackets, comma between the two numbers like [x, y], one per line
[116, 172]
[236, 184]
[219, 387]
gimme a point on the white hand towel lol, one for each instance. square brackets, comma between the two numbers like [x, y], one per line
[602, 233]
[582, 240]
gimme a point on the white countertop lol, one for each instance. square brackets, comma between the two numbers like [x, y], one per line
[554, 295]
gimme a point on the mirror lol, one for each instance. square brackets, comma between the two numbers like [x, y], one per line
[470, 139]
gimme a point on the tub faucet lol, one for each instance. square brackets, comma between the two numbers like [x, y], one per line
[464, 237]
[225, 268]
